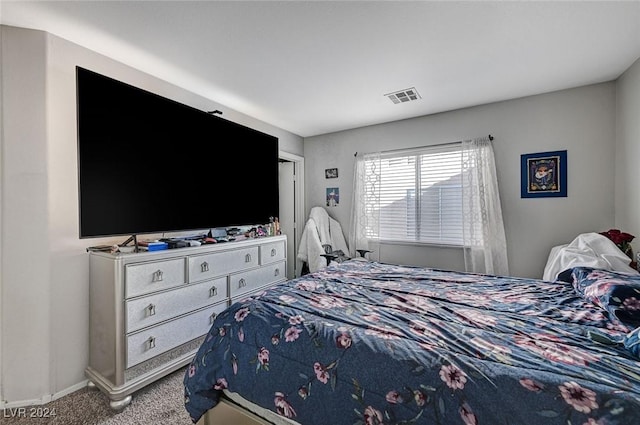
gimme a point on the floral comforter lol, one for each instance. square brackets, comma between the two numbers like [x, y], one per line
[372, 343]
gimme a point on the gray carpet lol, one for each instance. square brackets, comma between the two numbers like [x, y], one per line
[159, 403]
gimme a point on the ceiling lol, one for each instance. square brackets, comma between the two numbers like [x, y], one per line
[315, 67]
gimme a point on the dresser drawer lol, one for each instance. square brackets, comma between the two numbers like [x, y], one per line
[248, 281]
[156, 340]
[144, 278]
[206, 266]
[156, 308]
[272, 252]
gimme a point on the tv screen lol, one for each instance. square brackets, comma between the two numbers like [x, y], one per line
[148, 164]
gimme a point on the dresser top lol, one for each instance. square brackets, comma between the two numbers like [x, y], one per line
[186, 251]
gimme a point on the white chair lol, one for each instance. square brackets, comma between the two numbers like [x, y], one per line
[322, 241]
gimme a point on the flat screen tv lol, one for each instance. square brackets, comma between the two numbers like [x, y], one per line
[148, 164]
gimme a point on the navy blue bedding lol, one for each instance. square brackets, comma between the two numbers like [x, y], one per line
[371, 343]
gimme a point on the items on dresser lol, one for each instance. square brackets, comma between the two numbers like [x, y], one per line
[149, 311]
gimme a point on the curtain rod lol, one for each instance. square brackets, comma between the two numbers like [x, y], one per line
[438, 144]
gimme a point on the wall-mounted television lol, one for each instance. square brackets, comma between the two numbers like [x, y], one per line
[149, 164]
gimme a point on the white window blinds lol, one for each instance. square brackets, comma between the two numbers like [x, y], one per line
[420, 195]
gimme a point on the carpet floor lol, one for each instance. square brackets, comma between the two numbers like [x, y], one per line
[159, 403]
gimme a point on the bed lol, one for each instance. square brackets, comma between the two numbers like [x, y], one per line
[371, 343]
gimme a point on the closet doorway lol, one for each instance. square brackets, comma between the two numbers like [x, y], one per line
[291, 172]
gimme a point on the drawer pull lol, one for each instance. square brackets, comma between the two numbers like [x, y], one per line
[273, 252]
[157, 276]
[242, 283]
[247, 258]
[213, 291]
[276, 272]
[212, 318]
[151, 342]
[204, 267]
[151, 310]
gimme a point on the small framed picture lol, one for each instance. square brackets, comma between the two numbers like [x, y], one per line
[544, 175]
[333, 196]
[331, 173]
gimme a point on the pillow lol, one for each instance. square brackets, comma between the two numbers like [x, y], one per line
[616, 293]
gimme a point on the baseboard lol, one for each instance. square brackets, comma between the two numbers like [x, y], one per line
[44, 399]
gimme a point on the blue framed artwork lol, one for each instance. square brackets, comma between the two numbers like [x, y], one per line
[544, 174]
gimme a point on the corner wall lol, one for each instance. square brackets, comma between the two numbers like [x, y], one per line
[627, 161]
[25, 320]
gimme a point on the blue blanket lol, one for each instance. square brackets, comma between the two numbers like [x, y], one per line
[372, 343]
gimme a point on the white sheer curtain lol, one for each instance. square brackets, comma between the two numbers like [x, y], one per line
[485, 246]
[483, 236]
[364, 232]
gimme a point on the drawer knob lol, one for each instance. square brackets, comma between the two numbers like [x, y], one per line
[276, 272]
[273, 252]
[151, 310]
[157, 276]
[213, 291]
[151, 342]
[242, 283]
[247, 258]
[204, 267]
[212, 318]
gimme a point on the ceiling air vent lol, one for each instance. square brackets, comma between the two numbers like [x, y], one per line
[405, 95]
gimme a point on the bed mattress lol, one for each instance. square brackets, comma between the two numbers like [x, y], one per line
[372, 343]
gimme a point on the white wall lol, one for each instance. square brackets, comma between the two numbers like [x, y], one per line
[44, 275]
[627, 163]
[25, 320]
[580, 120]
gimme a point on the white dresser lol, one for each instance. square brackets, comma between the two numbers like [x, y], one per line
[149, 311]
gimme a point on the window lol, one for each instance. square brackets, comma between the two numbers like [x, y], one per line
[419, 195]
[441, 195]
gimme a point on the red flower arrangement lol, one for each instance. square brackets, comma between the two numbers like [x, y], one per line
[621, 239]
